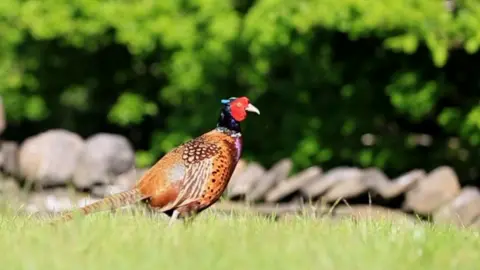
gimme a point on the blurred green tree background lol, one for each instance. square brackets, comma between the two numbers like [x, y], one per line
[386, 83]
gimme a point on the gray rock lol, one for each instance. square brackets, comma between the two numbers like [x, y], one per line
[55, 201]
[372, 212]
[246, 180]
[105, 157]
[9, 157]
[51, 157]
[105, 190]
[123, 183]
[139, 172]
[261, 208]
[348, 188]
[9, 187]
[239, 169]
[293, 184]
[278, 173]
[438, 188]
[379, 183]
[328, 180]
[462, 211]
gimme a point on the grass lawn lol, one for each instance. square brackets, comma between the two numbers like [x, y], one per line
[114, 241]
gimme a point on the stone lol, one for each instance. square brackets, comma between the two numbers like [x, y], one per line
[103, 191]
[9, 157]
[104, 158]
[55, 201]
[279, 209]
[278, 173]
[439, 187]
[461, 211]
[139, 172]
[9, 187]
[246, 180]
[122, 183]
[50, 158]
[293, 184]
[239, 169]
[127, 180]
[348, 188]
[329, 179]
[359, 212]
[261, 208]
[307, 211]
[379, 183]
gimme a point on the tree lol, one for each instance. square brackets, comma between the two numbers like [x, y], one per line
[324, 73]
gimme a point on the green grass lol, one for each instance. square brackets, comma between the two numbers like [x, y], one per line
[134, 242]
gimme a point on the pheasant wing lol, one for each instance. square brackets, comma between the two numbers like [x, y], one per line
[198, 157]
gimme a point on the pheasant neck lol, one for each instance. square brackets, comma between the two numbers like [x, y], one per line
[227, 123]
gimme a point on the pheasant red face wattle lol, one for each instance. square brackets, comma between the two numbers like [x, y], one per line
[239, 108]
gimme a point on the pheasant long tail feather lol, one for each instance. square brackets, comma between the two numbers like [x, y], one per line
[112, 202]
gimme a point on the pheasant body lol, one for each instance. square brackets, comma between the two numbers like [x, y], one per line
[192, 176]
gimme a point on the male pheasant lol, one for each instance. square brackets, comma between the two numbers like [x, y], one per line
[191, 177]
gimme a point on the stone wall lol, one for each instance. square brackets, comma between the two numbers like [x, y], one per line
[61, 170]
[347, 191]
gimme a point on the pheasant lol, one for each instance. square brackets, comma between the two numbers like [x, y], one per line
[191, 177]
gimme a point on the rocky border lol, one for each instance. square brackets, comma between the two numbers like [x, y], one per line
[103, 164]
[436, 196]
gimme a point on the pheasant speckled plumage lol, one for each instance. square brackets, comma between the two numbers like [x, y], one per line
[191, 177]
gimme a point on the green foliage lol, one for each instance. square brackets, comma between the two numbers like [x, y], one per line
[323, 72]
[130, 109]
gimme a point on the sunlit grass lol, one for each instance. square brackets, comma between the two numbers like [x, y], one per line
[115, 241]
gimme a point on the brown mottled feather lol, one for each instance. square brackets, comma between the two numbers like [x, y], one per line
[209, 161]
[190, 178]
[112, 202]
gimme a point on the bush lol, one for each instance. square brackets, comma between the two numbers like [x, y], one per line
[327, 76]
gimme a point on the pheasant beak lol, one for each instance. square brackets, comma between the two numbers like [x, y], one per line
[251, 108]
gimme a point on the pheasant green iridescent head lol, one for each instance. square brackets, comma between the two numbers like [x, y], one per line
[233, 112]
[237, 108]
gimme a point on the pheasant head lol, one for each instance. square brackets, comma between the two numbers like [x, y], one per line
[235, 111]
